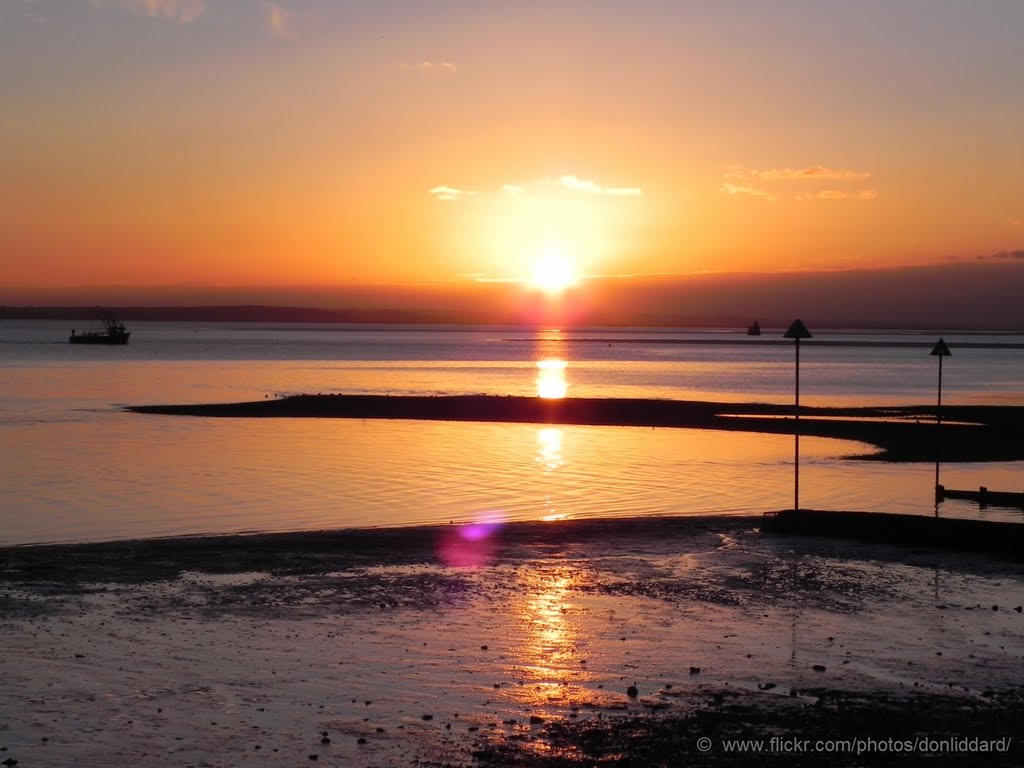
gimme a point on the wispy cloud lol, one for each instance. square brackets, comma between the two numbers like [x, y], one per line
[768, 184]
[444, 192]
[864, 195]
[182, 11]
[567, 184]
[580, 185]
[444, 66]
[744, 190]
[280, 22]
[24, 10]
[810, 173]
[591, 187]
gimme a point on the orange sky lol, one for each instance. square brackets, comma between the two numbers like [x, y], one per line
[168, 142]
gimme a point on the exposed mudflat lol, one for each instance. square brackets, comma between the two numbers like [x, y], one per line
[505, 645]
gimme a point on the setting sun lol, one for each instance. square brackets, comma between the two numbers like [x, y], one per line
[552, 272]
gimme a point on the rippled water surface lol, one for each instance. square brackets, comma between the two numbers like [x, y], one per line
[77, 467]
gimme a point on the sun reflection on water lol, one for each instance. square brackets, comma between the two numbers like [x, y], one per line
[548, 652]
[551, 351]
[549, 456]
[551, 381]
[549, 448]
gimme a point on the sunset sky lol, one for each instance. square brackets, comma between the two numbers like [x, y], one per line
[320, 143]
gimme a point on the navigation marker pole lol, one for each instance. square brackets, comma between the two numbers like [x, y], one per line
[797, 330]
[940, 350]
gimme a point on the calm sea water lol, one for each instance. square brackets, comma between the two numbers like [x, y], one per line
[76, 467]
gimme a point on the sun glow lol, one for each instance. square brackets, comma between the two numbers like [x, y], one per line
[552, 272]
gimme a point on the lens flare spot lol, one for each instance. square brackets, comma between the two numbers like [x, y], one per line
[471, 545]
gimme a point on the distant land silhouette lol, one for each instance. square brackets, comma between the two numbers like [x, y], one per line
[969, 295]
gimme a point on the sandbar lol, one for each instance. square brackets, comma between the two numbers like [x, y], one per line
[901, 434]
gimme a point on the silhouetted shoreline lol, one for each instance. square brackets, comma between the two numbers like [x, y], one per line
[902, 434]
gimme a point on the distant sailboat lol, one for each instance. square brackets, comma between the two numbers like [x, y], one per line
[754, 329]
[113, 331]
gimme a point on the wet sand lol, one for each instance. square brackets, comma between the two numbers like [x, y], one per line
[504, 645]
[908, 433]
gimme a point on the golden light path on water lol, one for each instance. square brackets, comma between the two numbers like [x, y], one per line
[551, 380]
[551, 351]
[549, 456]
[547, 654]
[553, 384]
[549, 448]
